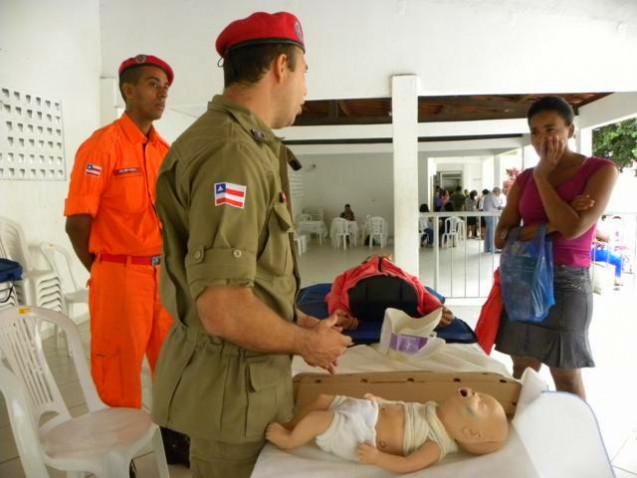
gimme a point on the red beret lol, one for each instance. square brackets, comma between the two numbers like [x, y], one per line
[261, 27]
[150, 60]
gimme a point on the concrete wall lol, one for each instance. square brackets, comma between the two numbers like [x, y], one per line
[50, 49]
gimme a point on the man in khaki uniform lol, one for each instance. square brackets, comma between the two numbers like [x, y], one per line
[230, 268]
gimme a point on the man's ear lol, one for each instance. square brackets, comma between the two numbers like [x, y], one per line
[571, 131]
[128, 90]
[280, 66]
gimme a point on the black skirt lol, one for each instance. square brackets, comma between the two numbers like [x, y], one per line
[561, 340]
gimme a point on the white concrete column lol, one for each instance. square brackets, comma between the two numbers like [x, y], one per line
[497, 171]
[432, 170]
[584, 141]
[405, 143]
[529, 157]
[488, 180]
[426, 173]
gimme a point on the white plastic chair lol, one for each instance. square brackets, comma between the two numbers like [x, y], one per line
[102, 441]
[423, 225]
[303, 218]
[352, 228]
[339, 232]
[38, 287]
[377, 227]
[316, 213]
[454, 226]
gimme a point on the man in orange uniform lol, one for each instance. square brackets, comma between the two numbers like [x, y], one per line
[116, 233]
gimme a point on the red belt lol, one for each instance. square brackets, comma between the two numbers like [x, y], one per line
[138, 260]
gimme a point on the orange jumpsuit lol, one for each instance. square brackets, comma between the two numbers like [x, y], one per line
[113, 181]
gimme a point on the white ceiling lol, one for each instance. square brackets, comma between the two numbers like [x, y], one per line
[355, 46]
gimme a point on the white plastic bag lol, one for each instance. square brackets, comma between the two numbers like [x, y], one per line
[403, 337]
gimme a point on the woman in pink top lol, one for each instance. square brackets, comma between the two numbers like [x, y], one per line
[568, 192]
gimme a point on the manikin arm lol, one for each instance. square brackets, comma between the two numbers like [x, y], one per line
[425, 456]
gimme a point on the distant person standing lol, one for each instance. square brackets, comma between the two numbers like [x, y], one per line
[492, 202]
[483, 223]
[437, 199]
[444, 198]
[425, 226]
[471, 205]
[458, 199]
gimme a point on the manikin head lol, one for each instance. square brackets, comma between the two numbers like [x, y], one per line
[475, 420]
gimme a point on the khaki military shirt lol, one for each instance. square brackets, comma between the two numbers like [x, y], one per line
[222, 197]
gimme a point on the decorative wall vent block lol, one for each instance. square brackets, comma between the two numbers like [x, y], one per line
[31, 137]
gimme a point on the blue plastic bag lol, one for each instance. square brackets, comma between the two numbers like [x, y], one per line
[526, 272]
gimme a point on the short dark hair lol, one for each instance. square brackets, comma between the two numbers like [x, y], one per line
[473, 194]
[347, 205]
[248, 64]
[485, 192]
[424, 207]
[130, 75]
[552, 103]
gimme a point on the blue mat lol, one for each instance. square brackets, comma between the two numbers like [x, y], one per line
[311, 300]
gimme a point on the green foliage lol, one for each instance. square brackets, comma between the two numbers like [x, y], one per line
[617, 142]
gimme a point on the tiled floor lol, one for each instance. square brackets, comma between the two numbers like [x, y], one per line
[611, 385]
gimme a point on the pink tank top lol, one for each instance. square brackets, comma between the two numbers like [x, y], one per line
[566, 252]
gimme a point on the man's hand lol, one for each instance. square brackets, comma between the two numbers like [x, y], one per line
[324, 344]
[345, 319]
[306, 321]
[447, 317]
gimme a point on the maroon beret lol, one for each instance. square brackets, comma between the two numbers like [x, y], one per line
[147, 60]
[261, 27]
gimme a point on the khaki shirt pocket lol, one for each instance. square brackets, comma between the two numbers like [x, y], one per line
[270, 395]
[175, 357]
[276, 257]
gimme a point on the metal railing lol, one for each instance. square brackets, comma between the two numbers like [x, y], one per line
[462, 268]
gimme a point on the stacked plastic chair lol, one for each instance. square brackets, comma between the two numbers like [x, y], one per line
[41, 288]
[74, 295]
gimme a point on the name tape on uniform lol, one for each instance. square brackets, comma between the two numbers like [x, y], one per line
[122, 171]
[231, 194]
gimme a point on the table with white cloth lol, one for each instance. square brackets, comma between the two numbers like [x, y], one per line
[552, 434]
[317, 228]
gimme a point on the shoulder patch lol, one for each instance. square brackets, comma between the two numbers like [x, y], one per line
[93, 169]
[232, 194]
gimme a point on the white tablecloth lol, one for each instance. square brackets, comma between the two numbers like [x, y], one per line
[312, 227]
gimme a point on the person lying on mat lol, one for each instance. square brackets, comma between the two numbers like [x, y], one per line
[397, 436]
[365, 291]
